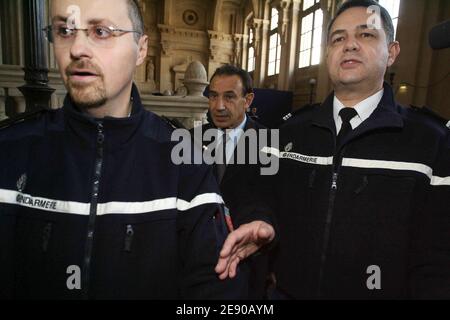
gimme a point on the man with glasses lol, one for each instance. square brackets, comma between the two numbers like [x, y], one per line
[91, 205]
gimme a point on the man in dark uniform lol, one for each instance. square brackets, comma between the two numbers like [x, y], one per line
[362, 196]
[92, 205]
[230, 96]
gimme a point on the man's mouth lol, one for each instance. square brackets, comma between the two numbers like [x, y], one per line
[221, 116]
[82, 75]
[349, 63]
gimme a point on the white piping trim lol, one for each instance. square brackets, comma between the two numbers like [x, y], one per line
[388, 165]
[323, 161]
[396, 165]
[364, 164]
[79, 208]
[438, 181]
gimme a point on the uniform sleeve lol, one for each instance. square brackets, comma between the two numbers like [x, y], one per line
[202, 231]
[431, 241]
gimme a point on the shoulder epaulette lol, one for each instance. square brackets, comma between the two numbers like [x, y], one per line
[22, 117]
[432, 115]
[299, 111]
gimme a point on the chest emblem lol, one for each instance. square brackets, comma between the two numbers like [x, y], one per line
[22, 183]
[289, 147]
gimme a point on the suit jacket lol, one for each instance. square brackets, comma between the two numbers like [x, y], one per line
[236, 188]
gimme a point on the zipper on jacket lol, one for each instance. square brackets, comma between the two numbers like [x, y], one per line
[93, 212]
[46, 234]
[337, 163]
[129, 238]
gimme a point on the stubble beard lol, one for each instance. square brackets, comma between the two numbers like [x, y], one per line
[87, 97]
[90, 95]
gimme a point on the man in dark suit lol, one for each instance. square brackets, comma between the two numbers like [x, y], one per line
[230, 96]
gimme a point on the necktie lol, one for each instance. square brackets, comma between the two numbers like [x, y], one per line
[346, 115]
[221, 165]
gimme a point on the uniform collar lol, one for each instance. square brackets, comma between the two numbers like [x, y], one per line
[364, 109]
[117, 130]
[385, 115]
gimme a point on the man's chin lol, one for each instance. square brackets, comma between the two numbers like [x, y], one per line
[87, 97]
[87, 100]
[351, 81]
[89, 104]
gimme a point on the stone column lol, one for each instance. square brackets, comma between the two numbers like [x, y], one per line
[36, 91]
[2, 104]
[289, 39]
[244, 51]
[221, 49]
[261, 43]
[165, 79]
[237, 57]
[324, 85]
[214, 48]
[1, 42]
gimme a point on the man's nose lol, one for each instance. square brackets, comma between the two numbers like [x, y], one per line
[351, 44]
[80, 47]
[220, 105]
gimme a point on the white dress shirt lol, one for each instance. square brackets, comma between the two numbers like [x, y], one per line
[234, 136]
[364, 109]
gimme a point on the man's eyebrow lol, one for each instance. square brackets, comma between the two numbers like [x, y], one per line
[339, 31]
[226, 92]
[95, 21]
[360, 27]
[366, 26]
[59, 18]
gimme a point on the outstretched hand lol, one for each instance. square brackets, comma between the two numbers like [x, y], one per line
[242, 243]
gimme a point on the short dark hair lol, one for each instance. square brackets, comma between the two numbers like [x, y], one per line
[135, 14]
[230, 70]
[388, 26]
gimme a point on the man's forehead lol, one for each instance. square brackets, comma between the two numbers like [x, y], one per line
[227, 82]
[357, 18]
[86, 10]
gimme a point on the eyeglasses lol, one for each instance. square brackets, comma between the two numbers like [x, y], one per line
[98, 35]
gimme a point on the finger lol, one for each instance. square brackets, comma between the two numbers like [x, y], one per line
[234, 261]
[224, 262]
[233, 268]
[266, 233]
[232, 240]
[225, 273]
[221, 265]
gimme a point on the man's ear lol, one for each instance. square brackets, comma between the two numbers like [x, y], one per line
[394, 51]
[143, 48]
[249, 99]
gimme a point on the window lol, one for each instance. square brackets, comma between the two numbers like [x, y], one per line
[251, 51]
[274, 45]
[311, 34]
[308, 4]
[393, 7]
